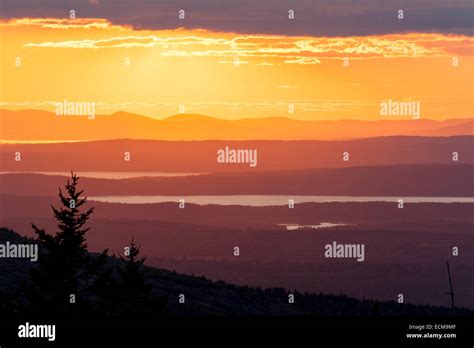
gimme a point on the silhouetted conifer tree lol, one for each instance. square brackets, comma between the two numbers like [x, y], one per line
[66, 272]
[133, 288]
[131, 270]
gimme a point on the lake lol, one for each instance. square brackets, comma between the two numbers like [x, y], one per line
[294, 227]
[109, 175]
[271, 200]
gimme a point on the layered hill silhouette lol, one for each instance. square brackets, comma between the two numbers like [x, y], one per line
[47, 126]
[201, 156]
[428, 180]
[405, 248]
[218, 298]
[17, 210]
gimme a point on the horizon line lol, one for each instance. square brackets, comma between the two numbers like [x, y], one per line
[164, 118]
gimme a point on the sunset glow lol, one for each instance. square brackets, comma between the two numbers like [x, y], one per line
[231, 75]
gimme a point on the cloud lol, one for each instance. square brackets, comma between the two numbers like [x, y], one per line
[303, 61]
[312, 17]
[62, 23]
[265, 63]
[235, 62]
[267, 49]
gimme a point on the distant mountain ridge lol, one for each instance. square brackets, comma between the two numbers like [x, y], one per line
[201, 156]
[424, 180]
[44, 126]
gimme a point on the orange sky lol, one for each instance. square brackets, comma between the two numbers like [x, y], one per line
[229, 75]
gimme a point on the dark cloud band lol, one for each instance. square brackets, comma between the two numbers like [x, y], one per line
[312, 17]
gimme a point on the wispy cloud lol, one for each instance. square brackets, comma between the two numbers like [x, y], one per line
[270, 49]
[63, 23]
